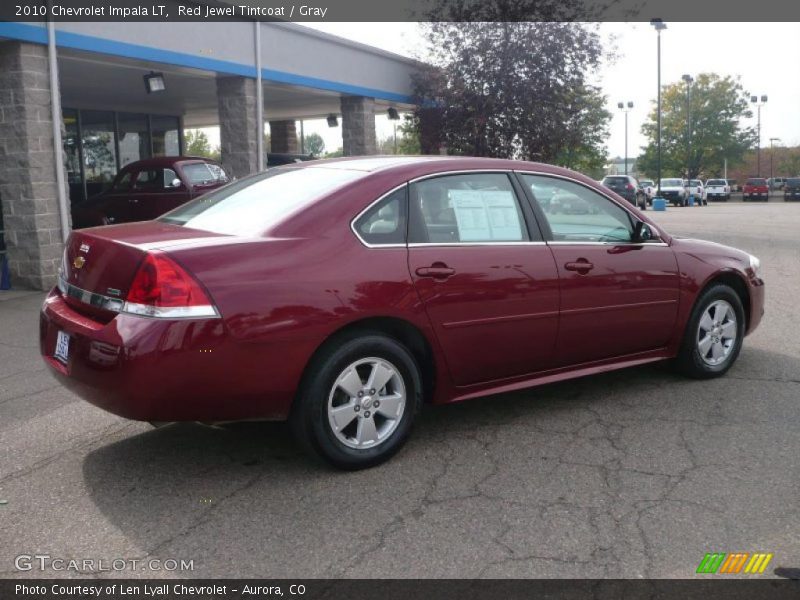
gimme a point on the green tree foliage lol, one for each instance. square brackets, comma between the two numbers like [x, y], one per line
[196, 143]
[716, 106]
[515, 90]
[314, 144]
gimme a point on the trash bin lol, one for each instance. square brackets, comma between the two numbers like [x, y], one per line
[659, 204]
[691, 201]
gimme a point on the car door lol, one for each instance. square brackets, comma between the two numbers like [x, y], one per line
[152, 194]
[618, 297]
[115, 203]
[487, 280]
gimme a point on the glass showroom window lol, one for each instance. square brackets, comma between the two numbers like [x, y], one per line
[134, 138]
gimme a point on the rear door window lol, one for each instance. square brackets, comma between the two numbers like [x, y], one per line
[469, 208]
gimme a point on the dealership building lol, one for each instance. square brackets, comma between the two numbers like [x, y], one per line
[74, 109]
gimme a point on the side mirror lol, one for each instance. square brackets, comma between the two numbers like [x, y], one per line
[642, 232]
[175, 183]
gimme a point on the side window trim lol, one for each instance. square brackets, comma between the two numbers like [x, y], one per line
[545, 225]
[405, 207]
[416, 223]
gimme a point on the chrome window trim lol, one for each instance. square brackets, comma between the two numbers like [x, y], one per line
[621, 243]
[367, 209]
[598, 192]
[439, 244]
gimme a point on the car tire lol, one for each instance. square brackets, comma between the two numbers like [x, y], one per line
[369, 435]
[710, 344]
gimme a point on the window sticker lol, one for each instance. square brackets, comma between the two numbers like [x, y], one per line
[489, 215]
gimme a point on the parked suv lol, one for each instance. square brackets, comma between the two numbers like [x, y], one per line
[627, 187]
[791, 191]
[755, 188]
[718, 189]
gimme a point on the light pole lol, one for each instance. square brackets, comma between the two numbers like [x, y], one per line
[626, 109]
[688, 79]
[771, 154]
[659, 27]
[759, 102]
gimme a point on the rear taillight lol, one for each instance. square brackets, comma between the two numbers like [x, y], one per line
[629, 186]
[162, 288]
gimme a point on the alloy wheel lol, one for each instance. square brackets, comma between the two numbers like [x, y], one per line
[366, 403]
[716, 333]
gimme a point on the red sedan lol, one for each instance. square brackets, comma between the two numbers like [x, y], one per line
[148, 188]
[344, 294]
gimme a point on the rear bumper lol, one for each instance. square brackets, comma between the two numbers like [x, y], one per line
[162, 369]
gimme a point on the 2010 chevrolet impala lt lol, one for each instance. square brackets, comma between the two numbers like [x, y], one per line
[341, 295]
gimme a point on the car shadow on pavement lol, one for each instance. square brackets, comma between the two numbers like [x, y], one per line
[171, 490]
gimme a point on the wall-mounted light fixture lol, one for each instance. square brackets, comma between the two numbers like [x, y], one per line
[393, 114]
[333, 121]
[154, 82]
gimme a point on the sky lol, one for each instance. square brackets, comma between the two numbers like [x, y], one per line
[764, 55]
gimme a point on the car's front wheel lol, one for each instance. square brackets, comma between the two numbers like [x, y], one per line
[358, 402]
[714, 334]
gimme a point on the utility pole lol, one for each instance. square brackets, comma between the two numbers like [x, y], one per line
[688, 79]
[659, 27]
[759, 103]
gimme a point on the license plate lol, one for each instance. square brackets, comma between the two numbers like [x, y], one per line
[62, 347]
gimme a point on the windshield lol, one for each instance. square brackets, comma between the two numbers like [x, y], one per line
[615, 180]
[645, 182]
[204, 173]
[793, 181]
[251, 206]
[716, 182]
[696, 182]
[671, 183]
[756, 182]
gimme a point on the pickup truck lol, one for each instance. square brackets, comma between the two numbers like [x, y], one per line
[718, 189]
[698, 190]
[755, 188]
[675, 191]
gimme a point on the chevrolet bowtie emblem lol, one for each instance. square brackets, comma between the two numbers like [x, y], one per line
[78, 262]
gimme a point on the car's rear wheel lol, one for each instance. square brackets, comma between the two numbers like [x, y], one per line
[358, 402]
[714, 334]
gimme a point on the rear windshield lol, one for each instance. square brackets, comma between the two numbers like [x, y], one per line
[793, 181]
[671, 182]
[615, 180]
[696, 182]
[251, 206]
[756, 182]
[716, 182]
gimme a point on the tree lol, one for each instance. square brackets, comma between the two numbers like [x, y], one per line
[716, 106]
[196, 143]
[314, 144]
[514, 90]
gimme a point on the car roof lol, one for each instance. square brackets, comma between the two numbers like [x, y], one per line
[419, 166]
[164, 161]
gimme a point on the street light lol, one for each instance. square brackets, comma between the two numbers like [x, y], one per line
[659, 26]
[688, 79]
[771, 154]
[626, 110]
[759, 102]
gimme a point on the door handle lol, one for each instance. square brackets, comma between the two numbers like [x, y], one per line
[437, 270]
[133, 200]
[582, 266]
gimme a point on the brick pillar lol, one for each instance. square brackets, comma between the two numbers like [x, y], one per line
[28, 188]
[283, 137]
[358, 126]
[236, 101]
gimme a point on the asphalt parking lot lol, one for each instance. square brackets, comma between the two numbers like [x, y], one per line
[632, 474]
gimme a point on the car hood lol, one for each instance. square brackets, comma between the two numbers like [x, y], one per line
[705, 249]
